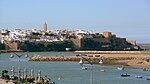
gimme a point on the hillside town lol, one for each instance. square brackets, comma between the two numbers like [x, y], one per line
[81, 39]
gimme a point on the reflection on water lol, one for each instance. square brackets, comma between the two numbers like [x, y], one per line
[72, 72]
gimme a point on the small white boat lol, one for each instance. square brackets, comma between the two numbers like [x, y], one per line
[81, 61]
[102, 70]
[120, 68]
[101, 62]
[84, 68]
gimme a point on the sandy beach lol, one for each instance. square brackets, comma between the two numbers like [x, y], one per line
[135, 59]
[128, 60]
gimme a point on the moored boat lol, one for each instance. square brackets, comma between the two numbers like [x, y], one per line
[102, 70]
[101, 62]
[138, 76]
[120, 68]
[148, 79]
[145, 69]
[84, 68]
[125, 75]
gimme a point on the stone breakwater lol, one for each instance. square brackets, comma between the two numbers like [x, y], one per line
[78, 58]
[91, 57]
[62, 58]
[138, 60]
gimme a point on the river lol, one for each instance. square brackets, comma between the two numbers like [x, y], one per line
[72, 72]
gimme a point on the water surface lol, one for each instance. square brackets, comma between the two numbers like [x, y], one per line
[72, 72]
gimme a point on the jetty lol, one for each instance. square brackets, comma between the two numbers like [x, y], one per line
[62, 58]
[130, 59]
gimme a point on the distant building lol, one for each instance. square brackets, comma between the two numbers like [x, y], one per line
[133, 42]
[11, 45]
[77, 42]
[102, 40]
[45, 27]
[107, 34]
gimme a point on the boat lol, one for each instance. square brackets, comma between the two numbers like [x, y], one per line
[120, 68]
[102, 70]
[148, 79]
[101, 62]
[125, 75]
[81, 61]
[84, 68]
[145, 69]
[138, 76]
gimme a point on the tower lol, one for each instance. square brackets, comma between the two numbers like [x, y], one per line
[45, 27]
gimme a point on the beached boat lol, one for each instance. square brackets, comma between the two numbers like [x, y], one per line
[125, 75]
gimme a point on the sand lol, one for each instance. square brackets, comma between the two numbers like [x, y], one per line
[137, 61]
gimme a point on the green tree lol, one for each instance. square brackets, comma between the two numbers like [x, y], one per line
[5, 74]
[117, 44]
[91, 44]
[43, 46]
[2, 46]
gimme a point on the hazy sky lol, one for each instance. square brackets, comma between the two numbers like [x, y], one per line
[126, 18]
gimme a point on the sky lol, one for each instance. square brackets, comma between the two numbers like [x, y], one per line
[126, 18]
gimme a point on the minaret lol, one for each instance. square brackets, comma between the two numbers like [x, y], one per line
[45, 27]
